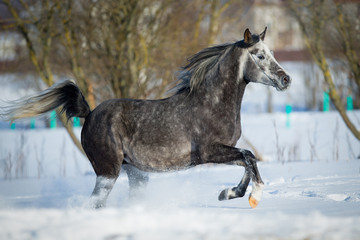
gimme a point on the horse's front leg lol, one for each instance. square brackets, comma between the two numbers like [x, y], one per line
[239, 190]
[240, 157]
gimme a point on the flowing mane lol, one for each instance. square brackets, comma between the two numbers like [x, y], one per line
[193, 74]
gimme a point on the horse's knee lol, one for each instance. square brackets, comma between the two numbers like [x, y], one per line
[248, 155]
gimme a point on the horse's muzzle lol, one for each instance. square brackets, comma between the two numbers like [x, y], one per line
[285, 81]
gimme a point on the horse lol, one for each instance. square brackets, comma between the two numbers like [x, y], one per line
[199, 124]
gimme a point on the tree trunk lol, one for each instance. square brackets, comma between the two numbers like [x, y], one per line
[44, 72]
[314, 45]
[70, 131]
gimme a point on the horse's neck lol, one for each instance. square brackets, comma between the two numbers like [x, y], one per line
[225, 91]
[220, 102]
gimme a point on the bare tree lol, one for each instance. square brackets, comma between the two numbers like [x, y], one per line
[324, 24]
[38, 34]
[122, 49]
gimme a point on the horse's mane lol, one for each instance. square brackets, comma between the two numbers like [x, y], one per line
[193, 74]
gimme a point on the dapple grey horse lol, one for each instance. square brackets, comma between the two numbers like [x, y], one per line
[199, 124]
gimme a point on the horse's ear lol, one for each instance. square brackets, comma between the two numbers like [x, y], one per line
[262, 35]
[247, 36]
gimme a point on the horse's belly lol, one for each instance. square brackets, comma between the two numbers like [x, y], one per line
[160, 158]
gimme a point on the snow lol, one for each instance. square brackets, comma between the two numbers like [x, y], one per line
[301, 200]
[311, 174]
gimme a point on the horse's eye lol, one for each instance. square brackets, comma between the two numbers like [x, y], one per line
[260, 56]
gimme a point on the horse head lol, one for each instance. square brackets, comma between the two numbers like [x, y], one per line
[260, 64]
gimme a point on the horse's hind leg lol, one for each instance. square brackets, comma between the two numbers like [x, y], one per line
[240, 157]
[137, 180]
[106, 158]
[101, 191]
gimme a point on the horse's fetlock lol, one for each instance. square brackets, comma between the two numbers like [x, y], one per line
[229, 193]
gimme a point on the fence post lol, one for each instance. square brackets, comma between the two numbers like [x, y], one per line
[53, 119]
[32, 123]
[349, 103]
[76, 122]
[288, 110]
[326, 102]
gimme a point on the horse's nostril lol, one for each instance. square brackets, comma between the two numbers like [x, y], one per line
[285, 80]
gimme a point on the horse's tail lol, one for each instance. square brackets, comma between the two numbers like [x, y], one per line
[65, 94]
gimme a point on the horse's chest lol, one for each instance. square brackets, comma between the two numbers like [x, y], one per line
[224, 128]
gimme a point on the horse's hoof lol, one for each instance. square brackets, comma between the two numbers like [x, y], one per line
[222, 195]
[253, 202]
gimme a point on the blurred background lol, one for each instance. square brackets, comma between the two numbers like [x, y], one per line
[134, 49]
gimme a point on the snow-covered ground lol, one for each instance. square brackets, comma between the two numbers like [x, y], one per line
[302, 200]
[311, 173]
